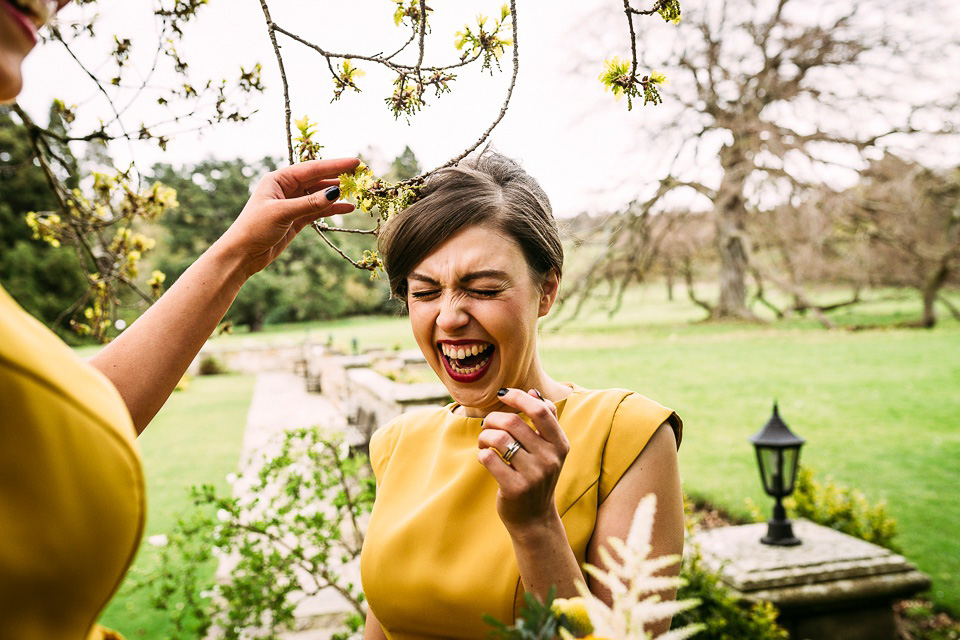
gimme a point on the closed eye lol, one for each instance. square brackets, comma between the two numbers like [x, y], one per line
[485, 292]
[423, 294]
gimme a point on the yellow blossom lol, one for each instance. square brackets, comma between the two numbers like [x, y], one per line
[574, 610]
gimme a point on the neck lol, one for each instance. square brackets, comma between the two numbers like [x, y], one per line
[537, 379]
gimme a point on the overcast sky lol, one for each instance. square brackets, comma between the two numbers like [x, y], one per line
[587, 150]
[581, 162]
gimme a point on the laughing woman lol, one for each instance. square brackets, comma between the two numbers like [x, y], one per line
[522, 479]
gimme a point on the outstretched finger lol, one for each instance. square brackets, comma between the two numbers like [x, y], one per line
[294, 179]
[313, 204]
[320, 185]
[550, 405]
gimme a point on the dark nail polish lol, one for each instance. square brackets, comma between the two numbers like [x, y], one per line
[502, 392]
[539, 395]
[332, 193]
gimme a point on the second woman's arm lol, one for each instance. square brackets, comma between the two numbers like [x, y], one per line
[147, 360]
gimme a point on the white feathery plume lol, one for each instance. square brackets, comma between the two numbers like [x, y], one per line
[634, 586]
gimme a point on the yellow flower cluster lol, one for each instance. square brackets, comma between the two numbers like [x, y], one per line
[491, 44]
[304, 146]
[574, 617]
[618, 78]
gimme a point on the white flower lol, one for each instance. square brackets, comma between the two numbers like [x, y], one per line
[223, 515]
[633, 585]
[159, 540]
[231, 478]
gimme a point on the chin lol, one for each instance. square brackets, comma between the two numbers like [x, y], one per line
[475, 399]
[10, 82]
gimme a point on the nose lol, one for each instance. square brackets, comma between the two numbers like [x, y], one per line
[452, 315]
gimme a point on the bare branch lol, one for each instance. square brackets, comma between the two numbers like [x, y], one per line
[271, 31]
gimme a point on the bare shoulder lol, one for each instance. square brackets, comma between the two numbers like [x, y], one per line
[655, 467]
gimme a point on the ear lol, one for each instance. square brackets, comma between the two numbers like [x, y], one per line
[551, 289]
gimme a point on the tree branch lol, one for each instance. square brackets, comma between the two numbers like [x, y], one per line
[271, 31]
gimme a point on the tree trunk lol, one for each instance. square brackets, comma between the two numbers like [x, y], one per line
[669, 269]
[731, 237]
[931, 289]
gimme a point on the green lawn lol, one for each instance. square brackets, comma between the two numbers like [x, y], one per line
[195, 439]
[880, 409]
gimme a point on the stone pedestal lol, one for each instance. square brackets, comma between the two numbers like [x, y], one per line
[830, 587]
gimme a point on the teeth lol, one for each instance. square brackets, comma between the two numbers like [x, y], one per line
[461, 352]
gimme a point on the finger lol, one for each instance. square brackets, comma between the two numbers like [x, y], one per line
[337, 208]
[501, 442]
[517, 429]
[544, 420]
[299, 176]
[321, 185]
[536, 394]
[500, 470]
[313, 204]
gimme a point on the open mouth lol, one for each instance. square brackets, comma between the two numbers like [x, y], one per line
[37, 12]
[467, 361]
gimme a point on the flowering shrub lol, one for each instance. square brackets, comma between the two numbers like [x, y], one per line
[287, 537]
[843, 509]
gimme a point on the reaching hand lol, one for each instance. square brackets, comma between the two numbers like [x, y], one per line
[527, 483]
[284, 202]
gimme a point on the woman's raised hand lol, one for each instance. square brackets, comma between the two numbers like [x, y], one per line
[527, 482]
[283, 203]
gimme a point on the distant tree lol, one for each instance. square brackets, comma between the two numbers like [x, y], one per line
[99, 213]
[404, 167]
[211, 193]
[911, 216]
[100, 218]
[307, 282]
[772, 97]
[46, 282]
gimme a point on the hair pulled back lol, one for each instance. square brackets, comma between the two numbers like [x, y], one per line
[489, 189]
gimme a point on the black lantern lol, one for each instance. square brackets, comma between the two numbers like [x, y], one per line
[778, 454]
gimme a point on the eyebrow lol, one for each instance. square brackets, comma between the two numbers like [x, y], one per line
[467, 277]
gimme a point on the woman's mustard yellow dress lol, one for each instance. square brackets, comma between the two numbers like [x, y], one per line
[72, 499]
[436, 556]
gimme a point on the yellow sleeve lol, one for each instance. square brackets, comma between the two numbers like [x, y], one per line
[382, 443]
[634, 423]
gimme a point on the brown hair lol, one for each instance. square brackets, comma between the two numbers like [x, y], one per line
[487, 189]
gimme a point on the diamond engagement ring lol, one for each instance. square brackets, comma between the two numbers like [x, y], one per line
[511, 451]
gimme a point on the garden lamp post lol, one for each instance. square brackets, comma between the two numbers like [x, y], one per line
[778, 454]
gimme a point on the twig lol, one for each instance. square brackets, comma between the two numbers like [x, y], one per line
[338, 250]
[271, 30]
[322, 226]
[506, 102]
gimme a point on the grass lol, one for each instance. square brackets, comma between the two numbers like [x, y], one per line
[195, 439]
[880, 409]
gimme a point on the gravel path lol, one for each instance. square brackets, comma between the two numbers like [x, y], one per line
[281, 402]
